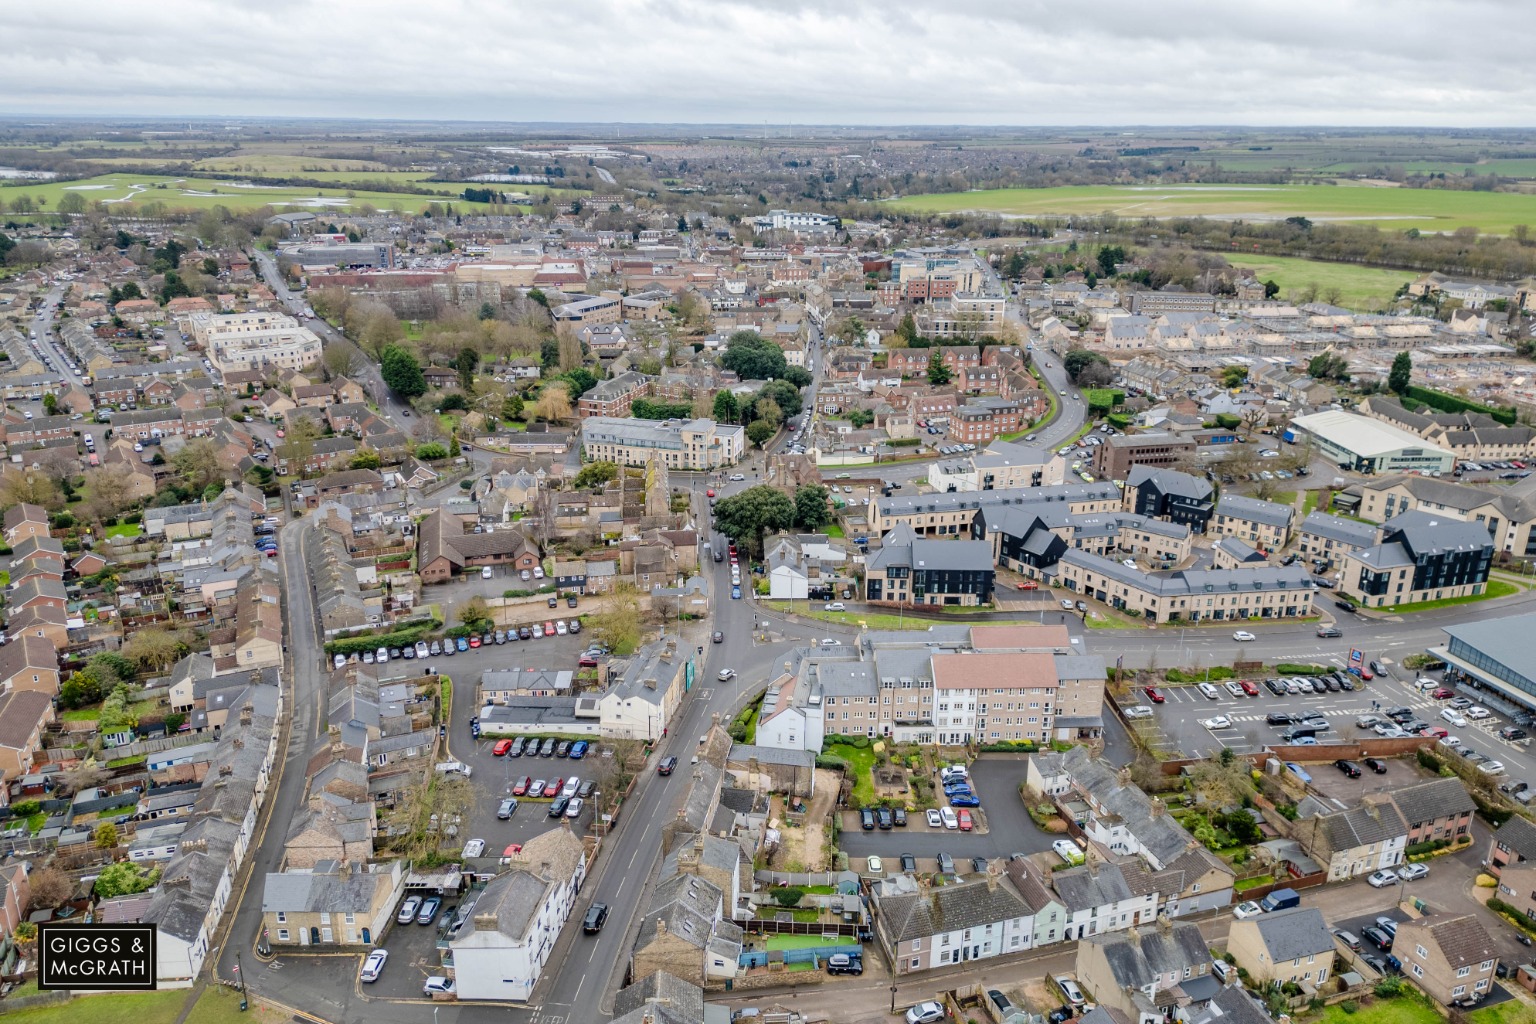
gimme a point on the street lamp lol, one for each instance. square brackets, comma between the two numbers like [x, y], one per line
[893, 997]
[243, 1002]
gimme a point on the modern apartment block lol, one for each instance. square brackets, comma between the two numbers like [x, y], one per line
[1272, 592]
[907, 570]
[681, 444]
[1419, 556]
[255, 341]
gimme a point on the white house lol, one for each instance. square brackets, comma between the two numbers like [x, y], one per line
[642, 701]
[791, 716]
[787, 582]
[501, 951]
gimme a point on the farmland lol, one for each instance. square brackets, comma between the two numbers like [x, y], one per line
[205, 193]
[1400, 208]
[1366, 289]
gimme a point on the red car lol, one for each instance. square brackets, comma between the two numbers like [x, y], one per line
[1029, 585]
[587, 662]
[1366, 674]
[474, 641]
[1443, 694]
[965, 819]
[552, 790]
[521, 789]
[1248, 688]
[1154, 696]
[1435, 731]
[501, 748]
[709, 493]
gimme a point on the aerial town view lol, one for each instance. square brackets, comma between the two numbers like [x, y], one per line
[683, 513]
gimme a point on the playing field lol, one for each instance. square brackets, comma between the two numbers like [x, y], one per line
[1366, 289]
[180, 193]
[1427, 210]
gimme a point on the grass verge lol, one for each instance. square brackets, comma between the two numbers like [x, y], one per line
[1496, 588]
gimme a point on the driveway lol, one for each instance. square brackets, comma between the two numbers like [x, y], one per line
[996, 778]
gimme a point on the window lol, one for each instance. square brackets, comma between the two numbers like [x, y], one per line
[1486, 965]
[1462, 972]
[916, 964]
[917, 944]
[282, 917]
[1420, 951]
[1418, 972]
[1459, 990]
[282, 934]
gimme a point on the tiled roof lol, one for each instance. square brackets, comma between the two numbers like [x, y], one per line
[1294, 932]
[949, 908]
[1432, 800]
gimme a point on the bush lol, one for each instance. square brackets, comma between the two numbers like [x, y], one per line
[1349, 1006]
[831, 762]
[1388, 988]
[1215, 674]
[359, 644]
[1429, 846]
[1287, 668]
[1454, 403]
[1010, 747]
[26, 808]
[788, 896]
[1429, 761]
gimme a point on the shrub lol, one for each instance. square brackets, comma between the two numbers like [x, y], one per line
[1349, 1006]
[1429, 846]
[831, 762]
[26, 808]
[1429, 761]
[1388, 988]
[788, 896]
[1010, 747]
[1286, 668]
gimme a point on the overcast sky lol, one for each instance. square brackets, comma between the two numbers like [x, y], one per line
[1020, 62]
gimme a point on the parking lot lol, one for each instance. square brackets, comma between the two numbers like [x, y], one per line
[1197, 725]
[996, 780]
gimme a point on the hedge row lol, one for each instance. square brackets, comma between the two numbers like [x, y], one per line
[359, 644]
[1289, 668]
[1010, 747]
[1455, 403]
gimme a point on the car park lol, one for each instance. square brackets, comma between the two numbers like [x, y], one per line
[1349, 768]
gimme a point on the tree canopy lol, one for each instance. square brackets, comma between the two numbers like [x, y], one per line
[1399, 377]
[746, 515]
[811, 512]
[753, 357]
[1079, 360]
[401, 372]
[938, 373]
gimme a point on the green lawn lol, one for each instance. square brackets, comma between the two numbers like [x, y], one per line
[1511, 1012]
[215, 1006]
[125, 530]
[1284, 498]
[1361, 288]
[1427, 210]
[1496, 588]
[861, 765]
[835, 531]
[1405, 1009]
[118, 191]
[1309, 505]
[778, 941]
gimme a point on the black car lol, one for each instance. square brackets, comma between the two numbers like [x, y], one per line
[524, 633]
[666, 766]
[1061, 1014]
[585, 789]
[1377, 669]
[557, 808]
[1510, 732]
[1381, 938]
[1332, 683]
[908, 863]
[1348, 768]
[884, 818]
[844, 963]
[1376, 765]
[1347, 683]
[901, 816]
[979, 865]
[1275, 687]
[563, 748]
[719, 556]
[570, 601]
[518, 746]
[1279, 718]
[1344, 605]
[547, 748]
[1400, 715]
[867, 819]
[597, 913]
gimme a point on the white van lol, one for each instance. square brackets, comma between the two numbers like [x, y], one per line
[455, 768]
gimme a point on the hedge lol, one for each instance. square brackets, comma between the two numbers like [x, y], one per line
[856, 742]
[1455, 403]
[359, 644]
[831, 762]
[1289, 668]
[1119, 420]
[1216, 673]
[1010, 747]
[1429, 846]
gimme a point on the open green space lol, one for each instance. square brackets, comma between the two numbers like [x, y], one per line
[1495, 588]
[861, 767]
[1366, 289]
[125, 530]
[1513, 1011]
[1400, 208]
[120, 190]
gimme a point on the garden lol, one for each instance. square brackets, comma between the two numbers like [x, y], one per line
[879, 772]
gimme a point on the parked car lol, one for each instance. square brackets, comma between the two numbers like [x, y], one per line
[1247, 909]
[1381, 879]
[408, 910]
[374, 965]
[507, 808]
[436, 984]
[1411, 872]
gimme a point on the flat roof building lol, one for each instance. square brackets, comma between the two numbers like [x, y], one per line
[1366, 445]
[681, 444]
[1495, 653]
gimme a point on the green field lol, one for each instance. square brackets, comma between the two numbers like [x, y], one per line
[1427, 210]
[214, 1006]
[1361, 288]
[118, 190]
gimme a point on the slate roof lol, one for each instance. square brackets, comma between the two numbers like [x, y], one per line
[1232, 1005]
[670, 999]
[949, 908]
[1425, 533]
[1254, 510]
[1085, 887]
[1169, 481]
[1136, 960]
[1362, 826]
[513, 898]
[326, 889]
[1297, 931]
[1432, 800]
[1160, 836]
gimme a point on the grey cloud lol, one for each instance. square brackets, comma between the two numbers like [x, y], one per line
[967, 61]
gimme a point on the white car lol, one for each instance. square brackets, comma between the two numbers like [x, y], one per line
[1067, 605]
[1491, 767]
[374, 965]
[1477, 714]
[935, 820]
[1129, 563]
[948, 816]
[1409, 872]
[1246, 910]
[835, 606]
[1243, 635]
[1234, 689]
[1454, 717]
[1138, 711]
[473, 848]
[1381, 879]
[340, 661]
[381, 655]
[926, 1013]
[422, 650]
[829, 642]
[738, 476]
[1388, 731]
[1219, 722]
[726, 674]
